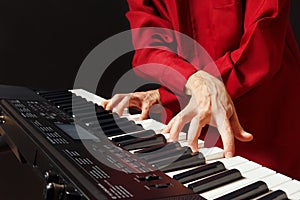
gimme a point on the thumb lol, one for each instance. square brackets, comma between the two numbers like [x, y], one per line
[145, 111]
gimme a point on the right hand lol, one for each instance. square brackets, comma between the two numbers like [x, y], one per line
[142, 101]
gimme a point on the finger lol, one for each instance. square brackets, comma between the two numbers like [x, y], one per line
[194, 133]
[177, 126]
[145, 111]
[168, 127]
[227, 136]
[122, 105]
[237, 129]
[104, 103]
[114, 101]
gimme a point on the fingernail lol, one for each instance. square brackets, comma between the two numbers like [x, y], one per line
[228, 155]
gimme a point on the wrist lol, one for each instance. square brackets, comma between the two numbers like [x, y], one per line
[194, 82]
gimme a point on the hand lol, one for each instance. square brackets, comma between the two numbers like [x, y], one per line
[209, 104]
[142, 101]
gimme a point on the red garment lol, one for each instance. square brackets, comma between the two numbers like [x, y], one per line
[256, 54]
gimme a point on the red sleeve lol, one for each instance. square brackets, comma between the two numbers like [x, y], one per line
[156, 57]
[260, 52]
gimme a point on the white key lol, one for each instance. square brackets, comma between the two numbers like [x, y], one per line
[185, 143]
[152, 124]
[88, 96]
[289, 187]
[230, 162]
[295, 196]
[181, 136]
[275, 180]
[98, 100]
[212, 153]
[250, 177]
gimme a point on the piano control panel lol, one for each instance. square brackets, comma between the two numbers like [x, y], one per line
[78, 160]
[85, 152]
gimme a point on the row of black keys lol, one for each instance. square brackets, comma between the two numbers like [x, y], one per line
[150, 144]
[215, 175]
[105, 122]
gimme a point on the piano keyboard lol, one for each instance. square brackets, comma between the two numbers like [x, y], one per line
[229, 178]
[148, 167]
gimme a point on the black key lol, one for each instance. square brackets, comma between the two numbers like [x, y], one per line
[101, 116]
[167, 146]
[75, 102]
[42, 93]
[95, 109]
[63, 99]
[121, 130]
[216, 181]
[69, 105]
[133, 136]
[275, 195]
[200, 172]
[55, 94]
[145, 142]
[165, 156]
[184, 161]
[59, 95]
[248, 192]
[119, 122]
[95, 124]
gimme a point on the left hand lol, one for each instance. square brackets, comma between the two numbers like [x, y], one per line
[142, 101]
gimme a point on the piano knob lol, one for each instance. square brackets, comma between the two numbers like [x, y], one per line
[51, 177]
[71, 194]
[2, 117]
[54, 191]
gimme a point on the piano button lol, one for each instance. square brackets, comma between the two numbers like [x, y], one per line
[200, 172]
[295, 196]
[215, 181]
[289, 187]
[274, 195]
[248, 192]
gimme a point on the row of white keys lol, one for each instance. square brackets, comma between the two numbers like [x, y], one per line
[251, 171]
[274, 181]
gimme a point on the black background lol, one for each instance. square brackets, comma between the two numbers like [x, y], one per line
[42, 45]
